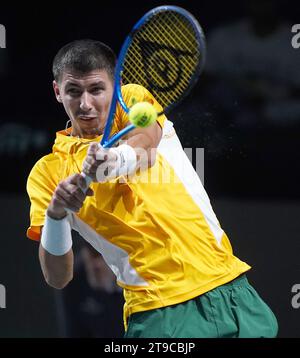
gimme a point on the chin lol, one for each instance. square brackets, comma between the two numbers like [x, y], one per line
[95, 132]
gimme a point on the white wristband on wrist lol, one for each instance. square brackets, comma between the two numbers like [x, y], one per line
[56, 236]
[126, 163]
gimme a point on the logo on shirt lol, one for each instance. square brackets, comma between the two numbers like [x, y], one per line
[2, 36]
[2, 296]
[296, 38]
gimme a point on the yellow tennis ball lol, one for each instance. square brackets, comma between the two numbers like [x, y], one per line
[142, 114]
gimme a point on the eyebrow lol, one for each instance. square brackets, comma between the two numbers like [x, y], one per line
[93, 84]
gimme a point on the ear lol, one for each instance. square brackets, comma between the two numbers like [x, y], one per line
[57, 91]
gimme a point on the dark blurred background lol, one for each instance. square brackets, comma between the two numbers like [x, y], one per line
[244, 112]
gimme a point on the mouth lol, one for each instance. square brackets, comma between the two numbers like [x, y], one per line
[87, 118]
[88, 126]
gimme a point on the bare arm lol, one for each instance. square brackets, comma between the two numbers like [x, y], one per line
[58, 269]
[146, 139]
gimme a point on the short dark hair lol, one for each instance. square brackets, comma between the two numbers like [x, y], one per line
[83, 56]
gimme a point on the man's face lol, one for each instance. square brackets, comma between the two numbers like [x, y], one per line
[86, 99]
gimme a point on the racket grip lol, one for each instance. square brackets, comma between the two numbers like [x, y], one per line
[88, 181]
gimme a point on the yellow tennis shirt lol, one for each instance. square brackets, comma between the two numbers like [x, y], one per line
[156, 230]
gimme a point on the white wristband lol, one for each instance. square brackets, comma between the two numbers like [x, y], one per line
[126, 163]
[56, 236]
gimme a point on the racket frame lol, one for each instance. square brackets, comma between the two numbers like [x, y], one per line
[106, 141]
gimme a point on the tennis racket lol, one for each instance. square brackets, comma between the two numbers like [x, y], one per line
[165, 53]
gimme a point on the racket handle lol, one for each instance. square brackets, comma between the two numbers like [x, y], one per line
[88, 181]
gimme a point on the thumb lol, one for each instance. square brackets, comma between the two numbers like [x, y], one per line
[93, 148]
[74, 179]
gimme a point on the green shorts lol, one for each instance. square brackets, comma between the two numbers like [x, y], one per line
[232, 310]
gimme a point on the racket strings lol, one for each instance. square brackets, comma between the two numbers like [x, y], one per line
[165, 35]
[163, 57]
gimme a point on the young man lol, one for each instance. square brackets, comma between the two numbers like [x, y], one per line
[160, 237]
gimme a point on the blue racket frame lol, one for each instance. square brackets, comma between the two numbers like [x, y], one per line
[106, 141]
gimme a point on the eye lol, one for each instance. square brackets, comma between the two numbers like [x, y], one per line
[97, 90]
[73, 91]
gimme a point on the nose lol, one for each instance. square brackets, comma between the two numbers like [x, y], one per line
[85, 102]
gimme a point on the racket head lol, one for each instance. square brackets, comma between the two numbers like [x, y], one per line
[165, 53]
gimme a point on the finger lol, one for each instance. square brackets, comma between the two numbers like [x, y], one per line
[73, 179]
[101, 154]
[66, 204]
[58, 201]
[77, 192]
[112, 156]
[86, 167]
[68, 194]
[91, 163]
[74, 187]
[90, 159]
[89, 170]
[75, 199]
[93, 148]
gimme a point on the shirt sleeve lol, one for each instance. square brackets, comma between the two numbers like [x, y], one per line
[132, 94]
[40, 188]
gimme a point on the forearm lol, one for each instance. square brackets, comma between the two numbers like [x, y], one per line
[145, 143]
[55, 252]
[57, 270]
[144, 150]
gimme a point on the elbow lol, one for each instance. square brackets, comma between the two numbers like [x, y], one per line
[60, 283]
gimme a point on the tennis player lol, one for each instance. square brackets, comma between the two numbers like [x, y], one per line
[160, 237]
